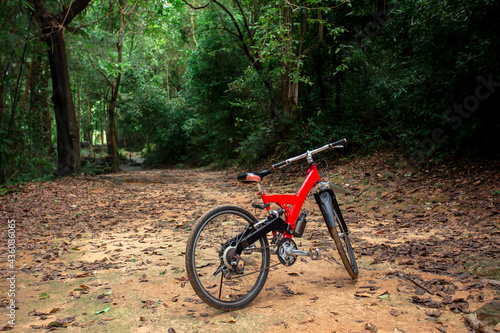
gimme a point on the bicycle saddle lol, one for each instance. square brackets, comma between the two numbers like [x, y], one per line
[250, 177]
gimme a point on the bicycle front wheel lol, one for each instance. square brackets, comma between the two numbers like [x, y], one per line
[340, 236]
[220, 276]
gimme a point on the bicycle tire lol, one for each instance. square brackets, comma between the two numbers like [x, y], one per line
[343, 245]
[213, 281]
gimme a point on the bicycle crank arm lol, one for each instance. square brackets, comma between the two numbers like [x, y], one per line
[314, 254]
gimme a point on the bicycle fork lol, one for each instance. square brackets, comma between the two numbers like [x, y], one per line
[328, 206]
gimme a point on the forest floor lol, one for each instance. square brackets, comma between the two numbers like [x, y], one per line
[106, 253]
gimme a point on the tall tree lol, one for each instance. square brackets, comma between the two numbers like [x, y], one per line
[53, 22]
[114, 83]
[272, 35]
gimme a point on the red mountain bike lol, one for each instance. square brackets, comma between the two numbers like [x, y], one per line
[228, 252]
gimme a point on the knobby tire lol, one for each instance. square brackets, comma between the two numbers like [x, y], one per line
[343, 244]
[205, 266]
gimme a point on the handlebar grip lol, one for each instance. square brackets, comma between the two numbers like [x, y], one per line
[279, 164]
[341, 141]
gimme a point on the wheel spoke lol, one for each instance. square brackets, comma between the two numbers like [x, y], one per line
[213, 244]
[220, 286]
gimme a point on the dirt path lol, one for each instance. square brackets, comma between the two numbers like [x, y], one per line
[106, 254]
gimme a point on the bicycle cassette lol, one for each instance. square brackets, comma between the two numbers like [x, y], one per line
[284, 246]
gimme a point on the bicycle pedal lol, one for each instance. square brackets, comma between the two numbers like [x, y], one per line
[315, 254]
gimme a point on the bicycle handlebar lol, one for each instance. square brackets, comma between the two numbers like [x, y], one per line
[336, 144]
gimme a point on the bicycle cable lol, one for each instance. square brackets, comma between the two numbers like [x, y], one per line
[320, 159]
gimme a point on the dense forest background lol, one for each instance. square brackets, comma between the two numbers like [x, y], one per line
[221, 81]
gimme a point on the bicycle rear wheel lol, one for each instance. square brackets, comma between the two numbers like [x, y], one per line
[340, 236]
[221, 277]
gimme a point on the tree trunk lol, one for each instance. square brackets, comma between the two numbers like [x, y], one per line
[289, 88]
[113, 137]
[43, 97]
[115, 89]
[102, 134]
[35, 113]
[68, 132]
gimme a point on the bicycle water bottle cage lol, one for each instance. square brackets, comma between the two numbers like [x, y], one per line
[253, 177]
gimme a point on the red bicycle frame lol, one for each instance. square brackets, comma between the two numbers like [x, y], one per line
[292, 204]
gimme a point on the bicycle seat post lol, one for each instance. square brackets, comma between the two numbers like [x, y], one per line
[261, 189]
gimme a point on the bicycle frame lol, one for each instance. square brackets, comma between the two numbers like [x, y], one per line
[221, 245]
[292, 204]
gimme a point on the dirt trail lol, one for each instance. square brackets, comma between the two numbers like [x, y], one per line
[106, 254]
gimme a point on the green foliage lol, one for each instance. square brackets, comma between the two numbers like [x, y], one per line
[24, 167]
[165, 120]
[218, 123]
[409, 64]
[215, 85]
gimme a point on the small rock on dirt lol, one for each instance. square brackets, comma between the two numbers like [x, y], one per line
[394, 312]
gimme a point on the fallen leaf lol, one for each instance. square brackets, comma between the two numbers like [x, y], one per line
[55, 324]
[7, 327]
[384, 295]
[103, 311]
[44, 296]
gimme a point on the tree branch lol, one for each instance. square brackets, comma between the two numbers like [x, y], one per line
[100, 72]
[94, 22]
[74, 8]
[245, 22]
[199, 7]
[239, 34]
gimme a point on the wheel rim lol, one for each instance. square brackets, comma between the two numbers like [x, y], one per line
[219, 283]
